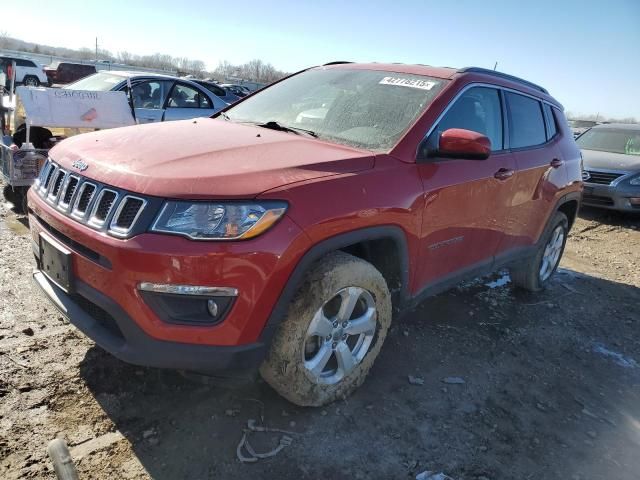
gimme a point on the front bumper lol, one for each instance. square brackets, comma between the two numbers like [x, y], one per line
[612, 197]
[102, 320]
[108, 270]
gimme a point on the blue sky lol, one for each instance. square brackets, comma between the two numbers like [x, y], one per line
[585, 52]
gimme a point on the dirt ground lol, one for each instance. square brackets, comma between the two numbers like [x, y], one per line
[515, 386]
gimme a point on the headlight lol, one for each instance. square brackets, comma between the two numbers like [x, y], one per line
[218, 221]
[635, 180]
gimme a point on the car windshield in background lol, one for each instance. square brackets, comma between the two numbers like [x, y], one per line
[98, 82]
[611, 140]
[582, 123]
[360, 108]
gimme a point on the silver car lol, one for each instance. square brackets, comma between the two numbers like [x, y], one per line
[156, 98]
[611, 174]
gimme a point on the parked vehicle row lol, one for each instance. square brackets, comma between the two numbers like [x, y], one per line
[238, 90]
[208, 246]
[27, 72]
[156, 98]
[216, 89]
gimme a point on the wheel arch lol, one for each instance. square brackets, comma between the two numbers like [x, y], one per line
[569, 205]
[366, 243]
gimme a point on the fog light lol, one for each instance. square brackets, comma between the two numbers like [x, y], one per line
[212, 306]
[188, 304]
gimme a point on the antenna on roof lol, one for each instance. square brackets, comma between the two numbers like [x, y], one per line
[495, 66]
[506, 76]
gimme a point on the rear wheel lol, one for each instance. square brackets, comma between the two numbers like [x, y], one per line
[332, 333]
[31, 81]
[533, 274]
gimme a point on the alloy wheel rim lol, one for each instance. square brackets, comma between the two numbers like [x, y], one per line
[340, 335]
[30, 82]
[551, 254]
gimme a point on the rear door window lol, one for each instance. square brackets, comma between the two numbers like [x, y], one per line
[527, 125]
[478, 109]
[185, 96]
[150, 94]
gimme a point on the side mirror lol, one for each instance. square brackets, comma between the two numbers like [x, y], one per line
[460, 143]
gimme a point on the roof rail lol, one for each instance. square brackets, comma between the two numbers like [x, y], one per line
[337, 62]
[506, 76]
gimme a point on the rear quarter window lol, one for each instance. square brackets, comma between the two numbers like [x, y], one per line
[526, 122]
[552, 129]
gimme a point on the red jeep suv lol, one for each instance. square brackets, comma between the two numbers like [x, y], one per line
[285, 232]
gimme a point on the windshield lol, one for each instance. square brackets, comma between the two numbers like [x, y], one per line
[360, 108]
[98, 82]
[611, 140]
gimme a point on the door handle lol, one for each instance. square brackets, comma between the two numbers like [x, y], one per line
[556, 163]
[504, 174]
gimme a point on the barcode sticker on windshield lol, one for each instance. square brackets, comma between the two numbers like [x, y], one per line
[408, 82]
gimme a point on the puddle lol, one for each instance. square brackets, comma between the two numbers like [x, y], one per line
[499, 282]
[15, 225]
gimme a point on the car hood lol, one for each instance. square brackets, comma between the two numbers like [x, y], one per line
[205, 158]
[610, 161]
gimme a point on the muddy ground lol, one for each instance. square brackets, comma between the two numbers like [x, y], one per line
[549, 386]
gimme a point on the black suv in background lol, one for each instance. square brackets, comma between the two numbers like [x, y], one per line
[62, 73]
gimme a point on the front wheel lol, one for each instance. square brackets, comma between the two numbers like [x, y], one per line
[332, 332]
[533, 274]
[31, 81]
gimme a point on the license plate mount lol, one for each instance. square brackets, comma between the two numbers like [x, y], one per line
[56, 263]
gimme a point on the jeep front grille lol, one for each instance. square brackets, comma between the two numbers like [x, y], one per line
[47, 175]
[58, 178]
[126, 215]
[90, 203]
[69, 190]
[84, 199]
[102, 207]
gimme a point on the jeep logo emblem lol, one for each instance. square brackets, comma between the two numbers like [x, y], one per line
[80, 165]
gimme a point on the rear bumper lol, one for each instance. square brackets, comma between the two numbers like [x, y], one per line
[102, 320]
[611, 197]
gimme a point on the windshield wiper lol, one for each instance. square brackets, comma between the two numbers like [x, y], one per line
[224, 115]
[273, 125]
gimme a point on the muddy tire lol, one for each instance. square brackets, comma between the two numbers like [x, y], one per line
[62, 461]
[535, 273]
[332, 332]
